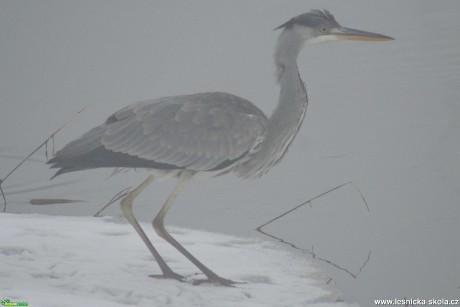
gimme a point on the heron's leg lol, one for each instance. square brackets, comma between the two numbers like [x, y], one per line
[127, 208]
[158, 225]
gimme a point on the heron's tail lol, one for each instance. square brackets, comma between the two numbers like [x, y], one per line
[74, 156]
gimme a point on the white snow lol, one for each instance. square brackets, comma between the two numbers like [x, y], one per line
[85, 261]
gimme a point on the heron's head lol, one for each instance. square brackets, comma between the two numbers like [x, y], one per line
[320, 26]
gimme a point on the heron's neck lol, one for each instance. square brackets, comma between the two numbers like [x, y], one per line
[288, 47]
[292, 101]
[287, 117]
[290, 111]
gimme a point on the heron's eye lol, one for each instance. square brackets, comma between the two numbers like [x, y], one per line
[323, 29]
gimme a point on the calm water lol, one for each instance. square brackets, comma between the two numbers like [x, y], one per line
[384, 116]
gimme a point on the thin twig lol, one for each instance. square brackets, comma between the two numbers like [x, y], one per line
[302, 204]
[312, 199]
[364, 264]
[311, 252]
[316, 257]
[362, 196]
[35, 150]
[354, 275]
[117, 196]
[3, 195]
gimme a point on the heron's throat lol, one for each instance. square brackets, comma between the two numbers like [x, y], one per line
[288, 115]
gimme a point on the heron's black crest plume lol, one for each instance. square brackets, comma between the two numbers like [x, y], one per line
[310, 19]
[324, 14]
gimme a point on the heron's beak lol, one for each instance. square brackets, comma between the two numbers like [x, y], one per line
[357, 35]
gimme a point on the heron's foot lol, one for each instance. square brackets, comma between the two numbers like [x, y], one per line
[169, 275]
[216, 280]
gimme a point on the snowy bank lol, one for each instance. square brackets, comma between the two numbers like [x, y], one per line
[74, 261]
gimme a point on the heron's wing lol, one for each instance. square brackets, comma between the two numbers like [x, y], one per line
[204, 131]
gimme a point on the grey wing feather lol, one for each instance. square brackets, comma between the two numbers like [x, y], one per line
[86, 144]
[197, 132]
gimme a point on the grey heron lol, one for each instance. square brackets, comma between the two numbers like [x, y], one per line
[206, 134]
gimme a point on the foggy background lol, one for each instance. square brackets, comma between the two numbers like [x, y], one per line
[384, 116]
